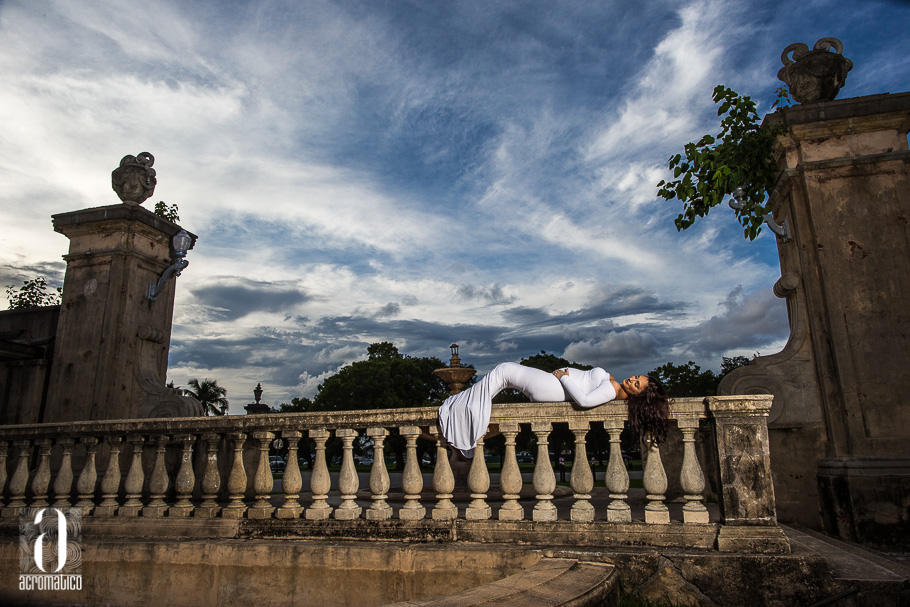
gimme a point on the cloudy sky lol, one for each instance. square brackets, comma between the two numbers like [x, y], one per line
[421, 172]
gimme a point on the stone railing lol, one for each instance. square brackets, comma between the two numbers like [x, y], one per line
[219, 467]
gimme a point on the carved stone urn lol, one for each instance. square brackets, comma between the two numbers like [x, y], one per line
[455, 376]
[134, 180]
[815, 75]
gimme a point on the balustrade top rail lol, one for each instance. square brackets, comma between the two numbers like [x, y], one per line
[414, 416]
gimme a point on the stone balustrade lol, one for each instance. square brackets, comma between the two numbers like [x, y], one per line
[219, 467]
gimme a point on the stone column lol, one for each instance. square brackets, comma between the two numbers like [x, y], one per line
[380, 509]
[211, 479]
[291, 482]
[617, 477]
[412, 479]
[320, 481]
[544, 478]
[159, 482]
[443, 481]
[582, 477]
[42, 479]
[110, 354]
[110, 484]
[510, 479]
[236, 508]
[135, 478]
[479, 484]
[348, 481]
[262, 482]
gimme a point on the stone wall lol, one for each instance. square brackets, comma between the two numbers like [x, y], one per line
[26, 355]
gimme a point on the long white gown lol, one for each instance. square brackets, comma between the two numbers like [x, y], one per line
[464, 417]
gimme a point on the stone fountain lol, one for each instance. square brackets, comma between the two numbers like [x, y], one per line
[455, 376]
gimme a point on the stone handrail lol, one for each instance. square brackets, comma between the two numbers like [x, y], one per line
[209, 467]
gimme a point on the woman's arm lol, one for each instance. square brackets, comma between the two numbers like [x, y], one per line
[602, 393]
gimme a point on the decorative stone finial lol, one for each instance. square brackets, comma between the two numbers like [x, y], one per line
[815, 75]
[134, 180]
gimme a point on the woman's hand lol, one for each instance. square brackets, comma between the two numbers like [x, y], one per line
[560, 372]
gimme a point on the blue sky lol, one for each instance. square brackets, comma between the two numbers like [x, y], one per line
[415, 172]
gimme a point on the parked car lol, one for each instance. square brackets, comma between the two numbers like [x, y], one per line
[365, 461]
[525, 458]
[277, 464]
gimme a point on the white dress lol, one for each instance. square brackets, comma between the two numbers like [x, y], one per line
[464, 417]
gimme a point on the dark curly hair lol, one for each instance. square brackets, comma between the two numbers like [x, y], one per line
[649, 411]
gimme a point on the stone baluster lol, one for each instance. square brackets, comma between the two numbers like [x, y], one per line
[291, 482]
[380, 509]
[4, 445]
[63, 482]
[510, 480]
[110, 484]
[544, 478]
[88, 477]
[320, 481]
[262, 482]
[19, 481]
[186, 479]
[617, 479]
[42, 479]
[655, 482]
[135, 478]
[412, 479]
[159, 482]
[443, 481]
[691, 477]
[582, 479]
[479, 484]
[236, 480]
[211, 479]
[348, 481]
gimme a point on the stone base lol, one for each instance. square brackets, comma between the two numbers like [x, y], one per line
[478, 513]
[10, 511]
[180, 511]
[154, 511]
[378, 514]
[232, 512]
[864, 499]
[695, 517]
[515, 513]
[545, 515]
[412, 514]
[289, 512]
[105, 510]
[318, 513]
[445, 514]
[206, 511]
[347, 514]
[260, 512]
[130, 511]
[582, 512]
[657, 517]
[742, 538]
[619, 515]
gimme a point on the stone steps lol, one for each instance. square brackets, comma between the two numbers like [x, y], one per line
[552, 582]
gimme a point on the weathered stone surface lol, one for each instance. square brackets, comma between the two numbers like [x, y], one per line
[111, 345]
[838, 384]
[815, 75]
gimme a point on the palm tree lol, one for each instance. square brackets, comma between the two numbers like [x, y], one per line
[210, 395]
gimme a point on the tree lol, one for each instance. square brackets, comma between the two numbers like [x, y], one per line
[386, 380]
[209, 394]
[690, 380]
[32, 294]
[297, 405]
[712, 168]
[167, 212]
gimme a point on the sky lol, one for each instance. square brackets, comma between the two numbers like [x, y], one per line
[424, 172]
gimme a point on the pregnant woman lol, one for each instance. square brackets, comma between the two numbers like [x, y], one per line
[464, 417]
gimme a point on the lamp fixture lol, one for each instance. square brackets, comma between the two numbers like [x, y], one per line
[181, 242]
[781, 229]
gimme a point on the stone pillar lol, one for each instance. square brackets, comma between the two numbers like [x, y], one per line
[747, 496]
[839, 383]
[110, 354]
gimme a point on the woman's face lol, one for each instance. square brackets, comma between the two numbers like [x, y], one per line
[635, 385]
